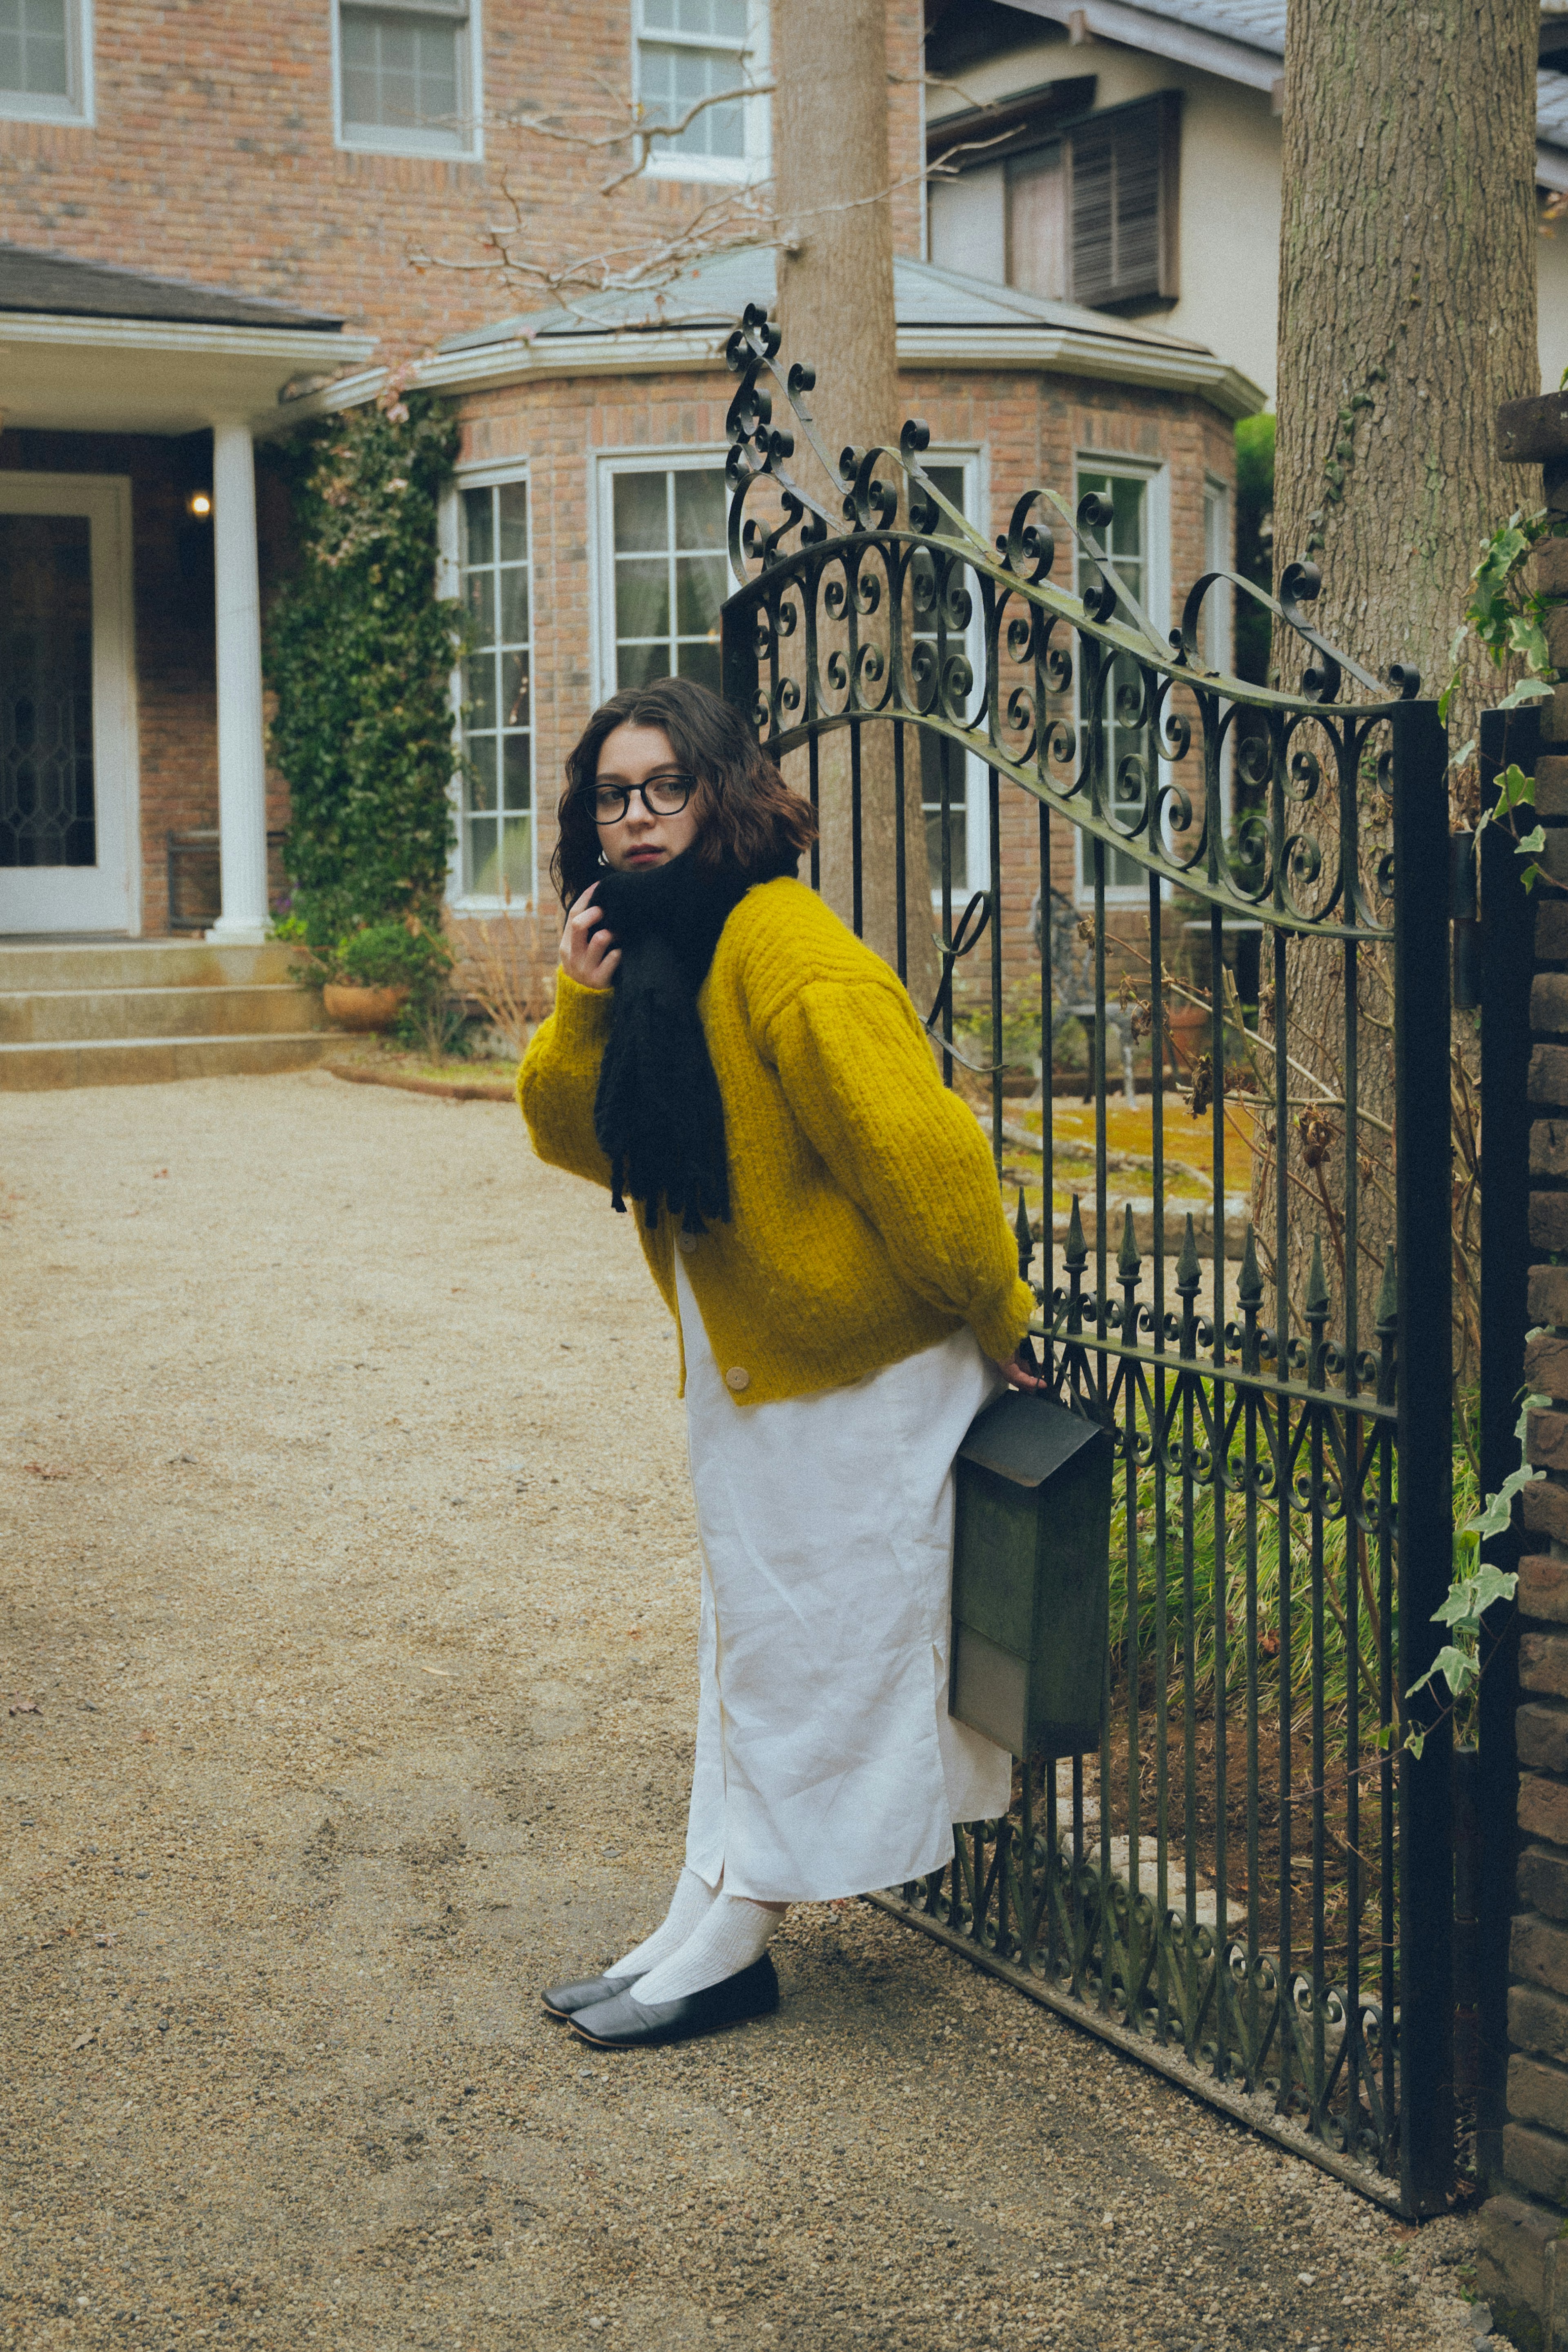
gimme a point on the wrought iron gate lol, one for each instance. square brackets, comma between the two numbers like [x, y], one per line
[1250, 1886]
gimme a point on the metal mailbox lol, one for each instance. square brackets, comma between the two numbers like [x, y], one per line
[1032, 1577]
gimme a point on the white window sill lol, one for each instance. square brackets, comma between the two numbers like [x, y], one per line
[22, 106]
[733, 170]
[428, 151]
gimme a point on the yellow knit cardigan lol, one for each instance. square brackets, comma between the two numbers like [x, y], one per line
[866, 1222]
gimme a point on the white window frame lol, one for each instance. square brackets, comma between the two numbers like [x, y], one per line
[75, 104]
[365, 140]
[606, 465]
[664, 162]
[481, 476]
[974, 460]
[1156, 604]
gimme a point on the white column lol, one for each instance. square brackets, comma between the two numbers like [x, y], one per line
[242, 767]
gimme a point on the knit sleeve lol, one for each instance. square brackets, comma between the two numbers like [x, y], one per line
[559, 1077]
[858, 1074]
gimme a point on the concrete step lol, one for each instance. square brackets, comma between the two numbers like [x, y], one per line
[153, 1061]
[87, 1016]
[142, 963]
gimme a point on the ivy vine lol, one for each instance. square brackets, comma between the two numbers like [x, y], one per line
[359, 651]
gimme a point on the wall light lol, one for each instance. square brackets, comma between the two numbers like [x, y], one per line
[199, 503]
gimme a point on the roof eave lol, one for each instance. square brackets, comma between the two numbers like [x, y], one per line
[1132, 27]
[490, 367]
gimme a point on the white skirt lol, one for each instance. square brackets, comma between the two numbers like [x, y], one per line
[826, 1760]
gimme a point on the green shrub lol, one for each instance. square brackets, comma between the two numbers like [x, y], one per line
[359, 652]
[390, 955]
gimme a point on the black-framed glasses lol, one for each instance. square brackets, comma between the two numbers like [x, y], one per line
[663, 795]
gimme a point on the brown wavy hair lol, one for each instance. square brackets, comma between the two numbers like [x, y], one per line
[746, 816]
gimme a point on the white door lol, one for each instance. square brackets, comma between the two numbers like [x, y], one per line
[69, 836]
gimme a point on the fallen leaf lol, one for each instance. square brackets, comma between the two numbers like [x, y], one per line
[444, 1672]
[46, 1470]
[83, 2039]
[148, 1738]
[24, 1706]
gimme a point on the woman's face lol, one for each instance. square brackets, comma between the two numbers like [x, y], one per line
[644, 837]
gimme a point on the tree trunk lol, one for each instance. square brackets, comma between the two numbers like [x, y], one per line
[1407, 312]
[836, 312]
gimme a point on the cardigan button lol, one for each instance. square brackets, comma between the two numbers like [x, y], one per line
[737, 1378]
[686, 1243]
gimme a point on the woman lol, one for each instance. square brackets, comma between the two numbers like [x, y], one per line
[822, 1220]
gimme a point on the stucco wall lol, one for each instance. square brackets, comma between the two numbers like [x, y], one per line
[1229, 198]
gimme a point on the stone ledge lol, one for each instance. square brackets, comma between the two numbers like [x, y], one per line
[1543, 1590]
[1538, 2021]
[1541, 1881]
[1543, 1735]
[1538, 2162]
[1538, 1952]
[1543, 1813]
[1548, 1298]
[1516, 2266]
[1544, 1510]
[1546, 1361]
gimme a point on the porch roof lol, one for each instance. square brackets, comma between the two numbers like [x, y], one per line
[87, 347]
[944, 318]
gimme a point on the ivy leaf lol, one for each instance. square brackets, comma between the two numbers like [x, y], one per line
[1529, 690]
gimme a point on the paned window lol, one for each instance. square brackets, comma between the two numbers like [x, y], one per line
[1129, 744]
[404, 75]
[688, 50]
[966, 779]
[42, 57]
[1087, 214]
[669, 572]
[497, 849]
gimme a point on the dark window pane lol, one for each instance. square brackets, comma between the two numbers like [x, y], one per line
[482, 776]
[642, 599]
[701, 663]
[478, 540]
[514, 606]
[641, 517]
[700, 509]
[635, 665]
[514, 689]
[480, 691]
[479, 597]
[699, 592]
[516, 781]
[512, 499]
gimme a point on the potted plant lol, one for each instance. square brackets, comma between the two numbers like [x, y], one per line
[369, 975]
[1188, 1023]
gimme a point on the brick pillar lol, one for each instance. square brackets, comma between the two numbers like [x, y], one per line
[1523, 2268]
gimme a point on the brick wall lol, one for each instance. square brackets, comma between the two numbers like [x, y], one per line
[213, 159]
[1524, 2253]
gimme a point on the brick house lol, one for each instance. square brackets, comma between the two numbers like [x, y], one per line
[215, 232]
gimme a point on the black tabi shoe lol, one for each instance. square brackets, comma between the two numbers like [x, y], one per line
[624, 2023]
[565, 2001]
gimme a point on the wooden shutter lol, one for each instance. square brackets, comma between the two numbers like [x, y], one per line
[1124, 165]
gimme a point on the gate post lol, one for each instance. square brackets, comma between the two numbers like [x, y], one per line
[1425, 1518]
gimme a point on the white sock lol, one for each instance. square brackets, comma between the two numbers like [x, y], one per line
[693, 1898]
[734, 1933]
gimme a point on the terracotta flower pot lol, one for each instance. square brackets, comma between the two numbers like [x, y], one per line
[1187, 1026]
[361, 1008]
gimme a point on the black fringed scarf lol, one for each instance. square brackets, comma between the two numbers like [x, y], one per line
[658, 1115]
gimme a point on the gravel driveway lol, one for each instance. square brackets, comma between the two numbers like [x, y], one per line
[350, 1598]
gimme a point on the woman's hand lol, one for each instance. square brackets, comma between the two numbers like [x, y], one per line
[1022, 1369]
[587, 952]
